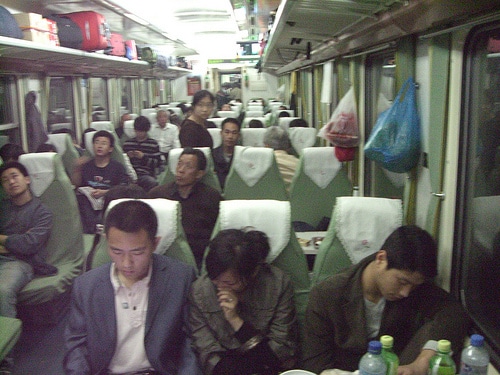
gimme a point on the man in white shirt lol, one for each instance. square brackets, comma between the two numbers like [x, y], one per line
[165, 133]
[130, 316]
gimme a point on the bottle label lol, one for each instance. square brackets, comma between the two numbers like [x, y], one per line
[473, 370]
[365, 372]
[442, 370]
[392, 368]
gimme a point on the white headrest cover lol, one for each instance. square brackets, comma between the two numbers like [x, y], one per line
[253, 137]
[362, 224]
[247, 120]
[128, 128]
[166, 212]
[226, 114]
[102, 125]
[217, 121]
[41, 169]
[255, 113]
[147, 111]
[284, 122]
[89, 146]
[175, 153]
[152, 118]
[320, 165]
[215, 133]
[59, 142]
[302, 137]
[252, 163]
[269, 216]
[486, 219]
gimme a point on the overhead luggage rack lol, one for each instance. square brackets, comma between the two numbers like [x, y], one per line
[29, 57]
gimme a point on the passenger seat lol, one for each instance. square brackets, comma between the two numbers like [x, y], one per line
[173, 241]
[254, 174]
[44, 299]
[358, 228]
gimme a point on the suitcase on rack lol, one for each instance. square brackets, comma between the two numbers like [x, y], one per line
[68, 32]
[117, 45]
[95, 30]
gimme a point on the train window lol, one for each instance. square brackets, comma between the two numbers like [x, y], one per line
[9, 125]
[381, 90]
[61, 111]
[126, 96]
[99, 99]
[145, 92]
[479, 202]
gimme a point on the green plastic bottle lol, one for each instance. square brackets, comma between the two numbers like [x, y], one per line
[442, 363]
[391, 359]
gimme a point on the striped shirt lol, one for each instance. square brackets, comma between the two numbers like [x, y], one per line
[151, 150]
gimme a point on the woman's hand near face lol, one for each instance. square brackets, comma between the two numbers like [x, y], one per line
[228, 301]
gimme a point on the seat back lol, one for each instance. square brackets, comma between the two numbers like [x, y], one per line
[152, 117]
[65, 148]
[254, 113]
[358, 228]
[116, 154]
[224, 114]
[235, 106]
[147, 111]
[64, 248]
[128, 129]
[3, 140]
[215, 133]
[173, 241]
[217, 121]
[177, 111]
[210, 178]
[247, 120]
[102, 125]
[254, 174]
[284, 122]
[60, 125]
[253, 137]
[273, 218]
[289, 111]
[301, 138]
[318, 181]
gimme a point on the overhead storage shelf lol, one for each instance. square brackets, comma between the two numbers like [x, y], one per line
[24, 56]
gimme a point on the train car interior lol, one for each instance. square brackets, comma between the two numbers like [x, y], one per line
[391, 109]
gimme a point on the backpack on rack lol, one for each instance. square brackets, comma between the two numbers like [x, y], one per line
[69, 32]
[8, 25]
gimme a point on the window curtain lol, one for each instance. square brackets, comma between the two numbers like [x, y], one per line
[439, 60]
[405, 68]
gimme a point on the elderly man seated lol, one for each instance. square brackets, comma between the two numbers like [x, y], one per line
[277, 138]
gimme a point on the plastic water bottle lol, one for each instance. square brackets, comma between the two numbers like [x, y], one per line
[442, 363]
[475, 358]
[391, 359]
[372, 362]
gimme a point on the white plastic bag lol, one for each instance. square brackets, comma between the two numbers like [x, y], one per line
[342, 129]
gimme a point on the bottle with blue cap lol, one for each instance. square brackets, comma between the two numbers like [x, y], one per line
[475, 357]
[372, 362]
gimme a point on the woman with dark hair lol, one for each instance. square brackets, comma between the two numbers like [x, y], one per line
[193, 132]
[242, 312]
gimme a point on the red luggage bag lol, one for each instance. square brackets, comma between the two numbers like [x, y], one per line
[117, 45]
[94, 28]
